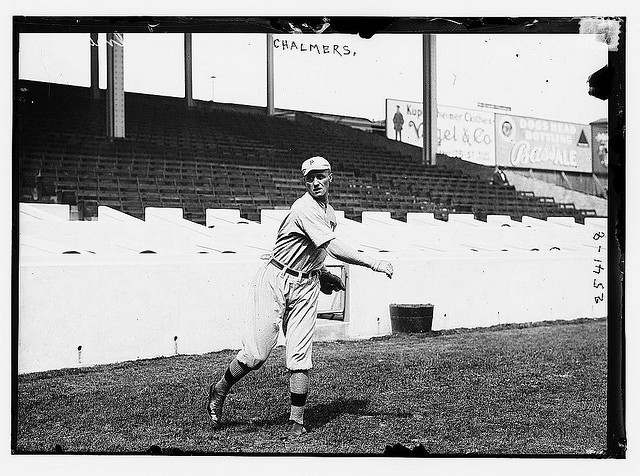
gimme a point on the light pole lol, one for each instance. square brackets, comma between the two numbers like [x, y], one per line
[213, 80]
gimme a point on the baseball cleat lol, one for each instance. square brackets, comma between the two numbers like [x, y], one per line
[295, 429]
[214, 406]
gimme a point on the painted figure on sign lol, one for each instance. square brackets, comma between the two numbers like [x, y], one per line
[398, 122]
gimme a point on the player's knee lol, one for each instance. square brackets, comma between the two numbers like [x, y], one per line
[257, 361]
[257, 364]
[299, 362]
[250, 361]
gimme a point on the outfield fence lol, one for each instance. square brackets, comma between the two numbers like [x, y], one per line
[118, 289]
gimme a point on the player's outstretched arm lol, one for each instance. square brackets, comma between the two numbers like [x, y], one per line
[343, 252]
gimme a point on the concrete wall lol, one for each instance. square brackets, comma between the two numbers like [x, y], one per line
[127, 308]
[476, 291]
[121, 305]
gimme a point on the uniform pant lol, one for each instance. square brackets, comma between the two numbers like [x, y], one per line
[279, 299]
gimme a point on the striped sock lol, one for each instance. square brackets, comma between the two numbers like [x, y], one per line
[299, 388]
[235, 371]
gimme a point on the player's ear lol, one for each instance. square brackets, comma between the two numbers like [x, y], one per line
[330, 176]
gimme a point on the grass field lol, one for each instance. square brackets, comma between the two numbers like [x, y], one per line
[511, 390]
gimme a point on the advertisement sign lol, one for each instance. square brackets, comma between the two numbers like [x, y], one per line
[600, 146]
[530, 143]
[463, 133]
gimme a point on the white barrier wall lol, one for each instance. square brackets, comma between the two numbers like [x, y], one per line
[475, 291]
[113, 305]
[128, 308]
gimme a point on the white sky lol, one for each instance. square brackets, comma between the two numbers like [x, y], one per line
[536, 75]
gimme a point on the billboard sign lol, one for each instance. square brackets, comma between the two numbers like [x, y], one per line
[463, 133]
[529, 143]
[600, 146]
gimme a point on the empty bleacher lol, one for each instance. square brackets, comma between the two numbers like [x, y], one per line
[233, 157]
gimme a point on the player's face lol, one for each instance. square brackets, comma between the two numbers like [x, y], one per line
[317, 183]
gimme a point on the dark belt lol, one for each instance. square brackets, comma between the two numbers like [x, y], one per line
[292, 272]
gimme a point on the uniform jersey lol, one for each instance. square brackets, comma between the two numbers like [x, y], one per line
[278, 299]
[302, 233]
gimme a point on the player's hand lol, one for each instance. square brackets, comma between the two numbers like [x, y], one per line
[385, 267]
[330, 282]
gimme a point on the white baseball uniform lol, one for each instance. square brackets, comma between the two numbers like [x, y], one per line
[278, 297]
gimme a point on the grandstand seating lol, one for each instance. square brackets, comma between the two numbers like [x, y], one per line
[234, 157]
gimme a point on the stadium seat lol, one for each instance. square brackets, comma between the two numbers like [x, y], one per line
[203, 157]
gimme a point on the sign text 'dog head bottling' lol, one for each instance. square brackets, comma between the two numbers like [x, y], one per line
[529, 143]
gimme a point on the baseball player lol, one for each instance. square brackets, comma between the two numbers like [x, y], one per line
[285, 290]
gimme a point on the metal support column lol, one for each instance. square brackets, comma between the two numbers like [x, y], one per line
[95, 66]
[565, 179]
[188, 70]
[599, 185]
[429, 102]
[115, 85]
[270, 107]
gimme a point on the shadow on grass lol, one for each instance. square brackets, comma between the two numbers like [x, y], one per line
[320, 415]
[316, 415]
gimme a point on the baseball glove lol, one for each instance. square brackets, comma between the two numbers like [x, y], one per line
[330, 282]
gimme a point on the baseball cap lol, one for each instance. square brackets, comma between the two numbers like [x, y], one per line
[315, 163]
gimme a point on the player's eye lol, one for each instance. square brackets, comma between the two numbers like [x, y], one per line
[320, 176]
